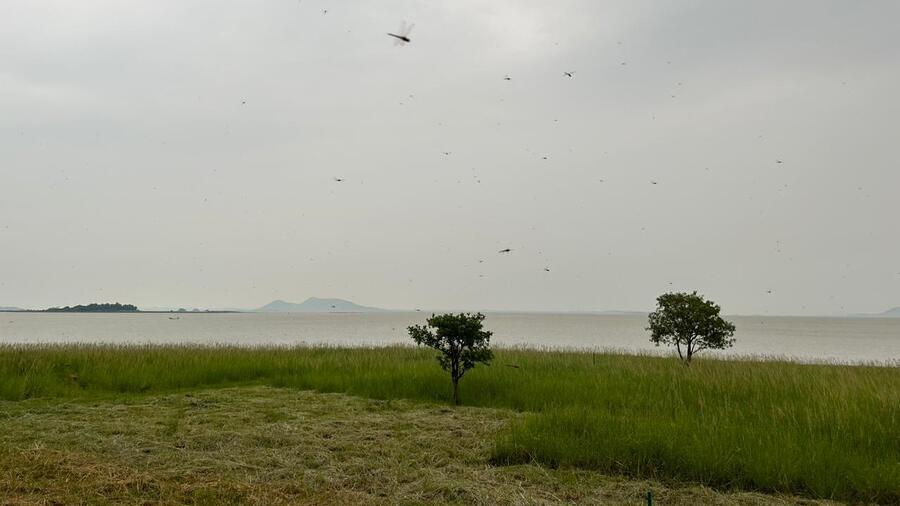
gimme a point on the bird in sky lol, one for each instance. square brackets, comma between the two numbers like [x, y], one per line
[653, 182]
[507, 78]
[402, 34]
[778, 161]
[339, 179]
[569, 73]
[546, 269]
[505, 250]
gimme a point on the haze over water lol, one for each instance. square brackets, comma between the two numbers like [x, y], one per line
[804, 338]
[219, 154]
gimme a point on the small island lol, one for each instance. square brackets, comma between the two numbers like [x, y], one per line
[94, 308]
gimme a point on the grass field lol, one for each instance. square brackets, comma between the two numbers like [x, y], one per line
[269, 446]
[820, 431]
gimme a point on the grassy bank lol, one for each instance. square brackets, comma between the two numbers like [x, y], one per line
[824, 431]
[269, 446]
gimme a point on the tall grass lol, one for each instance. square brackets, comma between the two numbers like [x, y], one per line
[828, 431]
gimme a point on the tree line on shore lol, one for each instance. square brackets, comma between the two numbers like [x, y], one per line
[93, 308]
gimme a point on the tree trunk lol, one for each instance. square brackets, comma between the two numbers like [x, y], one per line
[456, 391]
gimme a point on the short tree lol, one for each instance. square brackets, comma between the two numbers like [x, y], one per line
[688, 320]
[461, 341]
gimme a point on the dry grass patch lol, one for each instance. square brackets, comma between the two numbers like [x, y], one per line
[262, 445]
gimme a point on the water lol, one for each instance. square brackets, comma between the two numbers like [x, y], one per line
[802, 338]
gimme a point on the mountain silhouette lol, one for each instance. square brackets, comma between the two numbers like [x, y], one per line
[890, 313]
[316, 305]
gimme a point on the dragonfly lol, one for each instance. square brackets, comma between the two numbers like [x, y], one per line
[402, 35]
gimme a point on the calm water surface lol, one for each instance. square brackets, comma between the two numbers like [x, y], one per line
[804, 338]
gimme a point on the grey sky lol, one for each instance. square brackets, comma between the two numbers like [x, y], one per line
[132, 170]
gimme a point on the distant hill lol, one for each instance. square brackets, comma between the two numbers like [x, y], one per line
[10, 308]
[890, 313]
[316, 305]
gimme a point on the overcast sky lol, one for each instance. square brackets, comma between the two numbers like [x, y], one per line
[174, 153]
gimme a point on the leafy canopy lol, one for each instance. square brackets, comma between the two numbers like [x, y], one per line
[94, 308]
[690, 321]
[460, 339]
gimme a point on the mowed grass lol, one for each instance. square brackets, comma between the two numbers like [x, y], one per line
[269, 446]
[823, 431]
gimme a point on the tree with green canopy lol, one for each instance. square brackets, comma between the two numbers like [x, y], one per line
[689, 321]
[460, 339]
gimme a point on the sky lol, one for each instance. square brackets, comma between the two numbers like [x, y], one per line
[168, 153]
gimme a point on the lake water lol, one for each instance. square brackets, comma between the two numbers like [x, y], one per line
[803, 338]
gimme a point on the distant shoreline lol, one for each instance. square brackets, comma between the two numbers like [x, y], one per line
[116, 312]
[875, 316]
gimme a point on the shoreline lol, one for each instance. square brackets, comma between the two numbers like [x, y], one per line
[815, 341]
[117, 312]
[633, 314]
[550, 350]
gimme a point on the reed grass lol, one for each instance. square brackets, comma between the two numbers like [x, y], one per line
[824, 431]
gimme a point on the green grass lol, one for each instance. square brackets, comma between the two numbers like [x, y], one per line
[824, 431]
[270, 446]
